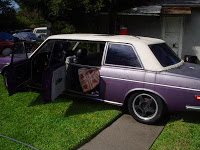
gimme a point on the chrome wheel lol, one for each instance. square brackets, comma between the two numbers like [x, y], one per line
[145, 106]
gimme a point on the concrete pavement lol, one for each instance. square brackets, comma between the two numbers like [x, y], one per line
[125, 134]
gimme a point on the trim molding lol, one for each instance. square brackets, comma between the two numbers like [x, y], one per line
[171, 86]
[113, 103]
[197, 108]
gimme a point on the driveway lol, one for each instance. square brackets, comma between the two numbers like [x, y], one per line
[125, 134]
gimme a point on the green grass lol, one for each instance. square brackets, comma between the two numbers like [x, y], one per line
[182, 132]
[62, 124]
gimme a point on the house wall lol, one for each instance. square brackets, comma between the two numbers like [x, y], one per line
[149, 26]
[191, 34]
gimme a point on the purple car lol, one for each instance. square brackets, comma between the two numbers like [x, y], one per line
[142, 74]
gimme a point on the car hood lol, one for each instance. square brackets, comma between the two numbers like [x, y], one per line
[4, 61]
[187, 70]
[7, 60]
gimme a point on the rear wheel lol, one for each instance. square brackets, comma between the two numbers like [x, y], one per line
[145, 107]
[6, 52]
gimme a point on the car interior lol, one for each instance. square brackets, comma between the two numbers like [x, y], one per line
[75, 55]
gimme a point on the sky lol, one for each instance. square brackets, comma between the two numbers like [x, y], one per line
[16, 6]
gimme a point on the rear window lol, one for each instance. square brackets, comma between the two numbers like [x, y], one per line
[165, 55]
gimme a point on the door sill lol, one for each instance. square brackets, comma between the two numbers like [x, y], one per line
[95, 95]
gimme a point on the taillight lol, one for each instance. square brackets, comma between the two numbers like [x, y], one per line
[197, 97]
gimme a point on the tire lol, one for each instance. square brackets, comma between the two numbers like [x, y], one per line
[5, 79]
[6, 52]
[146, 107]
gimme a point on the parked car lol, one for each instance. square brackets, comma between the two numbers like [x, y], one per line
[28, 39]
[22, 50]
[41, 32]
[142, 74]
[27, 36]
[6, 43]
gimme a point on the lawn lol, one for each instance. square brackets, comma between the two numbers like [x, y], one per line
[63, 124]
[182, 132]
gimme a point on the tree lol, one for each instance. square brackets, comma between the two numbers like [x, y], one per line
[64, 15]
[5, 6]
[30, 18]
[7, 16]
[61, 13]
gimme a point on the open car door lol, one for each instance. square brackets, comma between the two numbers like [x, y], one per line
[54, 76]
[18, 73]
[54, 82]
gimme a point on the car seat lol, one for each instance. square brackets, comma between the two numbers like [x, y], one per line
[80, 54]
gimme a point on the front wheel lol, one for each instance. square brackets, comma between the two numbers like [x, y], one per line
[6, 52]
[145, 107]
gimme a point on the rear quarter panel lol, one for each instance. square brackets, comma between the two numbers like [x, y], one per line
[177, 91]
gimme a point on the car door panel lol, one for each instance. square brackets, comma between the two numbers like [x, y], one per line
[58, 82]
[18, 74]
[54, 82]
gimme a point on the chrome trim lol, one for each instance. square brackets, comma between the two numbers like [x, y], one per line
[110, 102]
[93, 98]
[5, 63]
[197, 108]
[183, 88]
[86, 66]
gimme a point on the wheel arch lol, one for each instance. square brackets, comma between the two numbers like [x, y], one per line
[4, 69]
[133, 91]
[5, 48]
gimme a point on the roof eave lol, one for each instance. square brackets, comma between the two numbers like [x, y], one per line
[181, 5]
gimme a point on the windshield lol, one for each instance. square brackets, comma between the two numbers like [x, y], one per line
[24, 49]
[41, 31]
[165, 55]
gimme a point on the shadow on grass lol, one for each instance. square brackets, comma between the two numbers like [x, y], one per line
[78, 106]
[83, 105]
[190, 117]
[38, 101]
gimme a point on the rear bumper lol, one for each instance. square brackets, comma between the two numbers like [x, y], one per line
[193, 108]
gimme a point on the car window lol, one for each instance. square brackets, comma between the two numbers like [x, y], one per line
[122, 54]
[165, 55]
[47, 47]
[88, 53]
[59, 52]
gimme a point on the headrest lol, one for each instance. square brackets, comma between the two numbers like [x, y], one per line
[81, 52]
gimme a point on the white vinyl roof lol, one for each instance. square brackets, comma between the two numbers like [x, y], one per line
[140, 44]
[107, 38]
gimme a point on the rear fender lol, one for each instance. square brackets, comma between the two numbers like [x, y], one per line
[146, 90]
